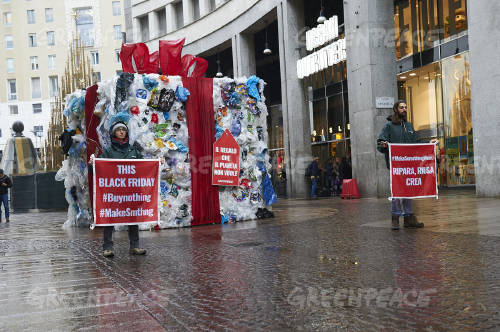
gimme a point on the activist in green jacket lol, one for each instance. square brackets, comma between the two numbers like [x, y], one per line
[398, 130]
[395, 131]
[121, 149]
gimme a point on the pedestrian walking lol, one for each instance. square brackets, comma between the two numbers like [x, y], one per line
[121, 149]
[399, 130]
[5, 184]
[330, 176]
[314, 171]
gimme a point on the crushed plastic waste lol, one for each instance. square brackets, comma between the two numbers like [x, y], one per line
[139, 101]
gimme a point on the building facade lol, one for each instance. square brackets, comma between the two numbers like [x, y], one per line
[35, 36]
[331, 85]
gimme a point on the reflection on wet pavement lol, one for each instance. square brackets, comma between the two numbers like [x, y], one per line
[319, 265]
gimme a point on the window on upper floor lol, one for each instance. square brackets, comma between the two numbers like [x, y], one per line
[37, 108]
[36, 90]
[9, 42]
[51, 38]
[11, 90]
[85, 26]
[52, 61]
[13, 109]
[118, 32]
[196, 9]
[7, 19]
[34, 62]
[179, 14]
[53, 86]
[144, 27]
[10, 65]
[38, 130]
[31, 16]
[162, 22]
[96, 77]
[32, 39]
[49, 15]
[94, 57]
[212, 5]
[117, 11]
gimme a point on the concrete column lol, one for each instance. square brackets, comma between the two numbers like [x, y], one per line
[371, 73]
[170, 16]
[154, 25]
[484, 94]
[137, 30]
[204, 7]
[129, 29]
[187, 9]
[244, 55]
[296, 126]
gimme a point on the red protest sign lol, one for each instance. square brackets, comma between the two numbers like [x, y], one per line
[226, 161]
[413, 170]
[126, 191]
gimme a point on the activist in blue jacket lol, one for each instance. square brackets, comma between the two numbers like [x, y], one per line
[121, 149]
[398, 130]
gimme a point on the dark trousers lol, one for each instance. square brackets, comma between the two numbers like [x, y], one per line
[314, 182]
[133, 236]
[4, 199]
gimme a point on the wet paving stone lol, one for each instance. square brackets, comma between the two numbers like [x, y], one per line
[324, 265]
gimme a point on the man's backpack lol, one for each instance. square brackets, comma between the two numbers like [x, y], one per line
[309, 170]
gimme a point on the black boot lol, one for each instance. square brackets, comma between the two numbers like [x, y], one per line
[395, 223]
[412, 222]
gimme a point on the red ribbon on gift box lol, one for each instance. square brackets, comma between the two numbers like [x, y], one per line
[168, 59]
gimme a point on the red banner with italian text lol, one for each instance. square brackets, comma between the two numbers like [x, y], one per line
[126, 191]
[226, 161]
[413, 170]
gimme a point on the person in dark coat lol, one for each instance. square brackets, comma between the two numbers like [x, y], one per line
[5, 184]
[121, 149]
[398, 130]
[315, 173]
[345, 168]
[330, 175]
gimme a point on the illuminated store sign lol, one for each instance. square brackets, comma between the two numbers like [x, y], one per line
[325, 57]
[322, 34]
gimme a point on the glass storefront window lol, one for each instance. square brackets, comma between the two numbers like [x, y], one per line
[347, 126]
[422, 92]
[274, 127]
[278, 171]
[330, 119]
[276, 149]
[455, 17]
[422, 24]
[334, 74]
[439, 106]
[459, 149]
[335, 118]
[320, 130]
[333, 150]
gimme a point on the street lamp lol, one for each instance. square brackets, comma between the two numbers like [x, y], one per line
[219, 72]
[267, 50]
[321, 18]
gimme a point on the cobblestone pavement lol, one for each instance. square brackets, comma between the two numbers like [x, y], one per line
[321, 265]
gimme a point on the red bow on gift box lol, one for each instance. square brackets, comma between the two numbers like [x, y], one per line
[168, 59]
